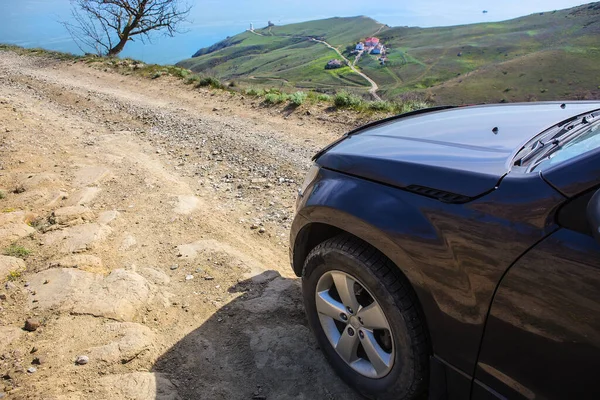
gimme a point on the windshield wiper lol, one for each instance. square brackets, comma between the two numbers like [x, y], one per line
[553, 138]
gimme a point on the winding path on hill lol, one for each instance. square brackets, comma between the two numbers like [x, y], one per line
[374, 87]
[256, 33]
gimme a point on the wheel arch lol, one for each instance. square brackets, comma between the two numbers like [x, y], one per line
[315, 230]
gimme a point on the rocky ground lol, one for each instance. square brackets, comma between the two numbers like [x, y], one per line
[145, 227]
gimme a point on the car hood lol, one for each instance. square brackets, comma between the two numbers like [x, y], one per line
[465, 150]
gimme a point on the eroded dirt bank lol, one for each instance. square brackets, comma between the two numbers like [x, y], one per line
[156, 221]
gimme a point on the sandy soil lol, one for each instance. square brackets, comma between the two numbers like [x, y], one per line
[156, 217]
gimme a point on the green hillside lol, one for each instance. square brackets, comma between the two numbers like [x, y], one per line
[543, 56]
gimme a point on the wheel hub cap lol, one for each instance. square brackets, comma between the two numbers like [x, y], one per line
[355, 324]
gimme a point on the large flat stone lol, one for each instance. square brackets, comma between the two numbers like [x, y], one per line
[119, 296]
[13, 227]
[130, 341]
[155, 276]
[186, 204]
[76, 239]
[279, 294]
[83, 196]
[210, 246]
[72, 215]
[43, 179]
[10, 264]
[138, 386]
[107, 217]
[90, 175]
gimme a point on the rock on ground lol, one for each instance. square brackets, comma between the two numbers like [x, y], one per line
[186, 204]
[139, 386]
[155, 276]
[10, 264]
[90, 175]
[273, 298]
[130, 340]
[107, 217]
[83, 196]
[13, 226]
[127, 243]
[44, 179]
[72, 215]
[84, 262]
[77, 238]
[119, 296]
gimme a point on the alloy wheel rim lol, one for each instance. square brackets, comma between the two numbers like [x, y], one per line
[355, 324]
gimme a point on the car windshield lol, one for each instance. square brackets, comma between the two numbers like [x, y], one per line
[587, 141]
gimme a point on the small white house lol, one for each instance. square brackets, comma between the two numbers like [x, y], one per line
[360, 46]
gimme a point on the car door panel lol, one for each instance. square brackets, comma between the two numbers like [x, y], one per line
[542, 337]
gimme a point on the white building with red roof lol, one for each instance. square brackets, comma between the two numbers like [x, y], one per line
[371, 41]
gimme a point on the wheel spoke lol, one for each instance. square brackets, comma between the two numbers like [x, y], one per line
[345, 287]
[327, 305]
[347, 346]
[380, 360]
[372, 317]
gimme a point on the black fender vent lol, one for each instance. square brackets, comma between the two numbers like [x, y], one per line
[446, 197]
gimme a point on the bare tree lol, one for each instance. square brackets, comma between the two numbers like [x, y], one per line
[107, 25]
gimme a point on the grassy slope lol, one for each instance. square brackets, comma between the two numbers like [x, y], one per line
[549, 55]
[543, 56]
[284, 57]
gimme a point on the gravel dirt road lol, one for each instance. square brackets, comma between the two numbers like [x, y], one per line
[156, 219]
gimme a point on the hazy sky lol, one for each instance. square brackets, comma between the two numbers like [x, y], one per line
[34, 23]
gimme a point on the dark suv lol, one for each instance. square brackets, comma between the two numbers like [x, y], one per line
[455, 253]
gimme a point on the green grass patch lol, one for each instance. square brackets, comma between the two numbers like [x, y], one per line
[254, 92]
[384, 106]
[17, 251]
[275, 98]
[192, 79]
[210, 81]
[298, 98]
[344, 99]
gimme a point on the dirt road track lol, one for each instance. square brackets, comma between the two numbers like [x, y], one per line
[374, 86]
[157, 219]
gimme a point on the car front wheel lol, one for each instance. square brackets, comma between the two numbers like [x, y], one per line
[366, 319]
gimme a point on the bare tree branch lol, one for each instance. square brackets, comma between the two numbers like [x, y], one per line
[107, 25]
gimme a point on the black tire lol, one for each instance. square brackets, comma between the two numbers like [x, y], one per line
[408, 378]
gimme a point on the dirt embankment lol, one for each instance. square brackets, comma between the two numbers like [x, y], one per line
[147, 228]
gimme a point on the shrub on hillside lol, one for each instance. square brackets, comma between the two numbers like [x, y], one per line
[180, 72]
[298, 98]
[272, 98]
[347, 100]
[323, 97]
[255, 92]
[381, 106]
[413, 105]
[210, 81]
[275, 98]
[192, 79]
